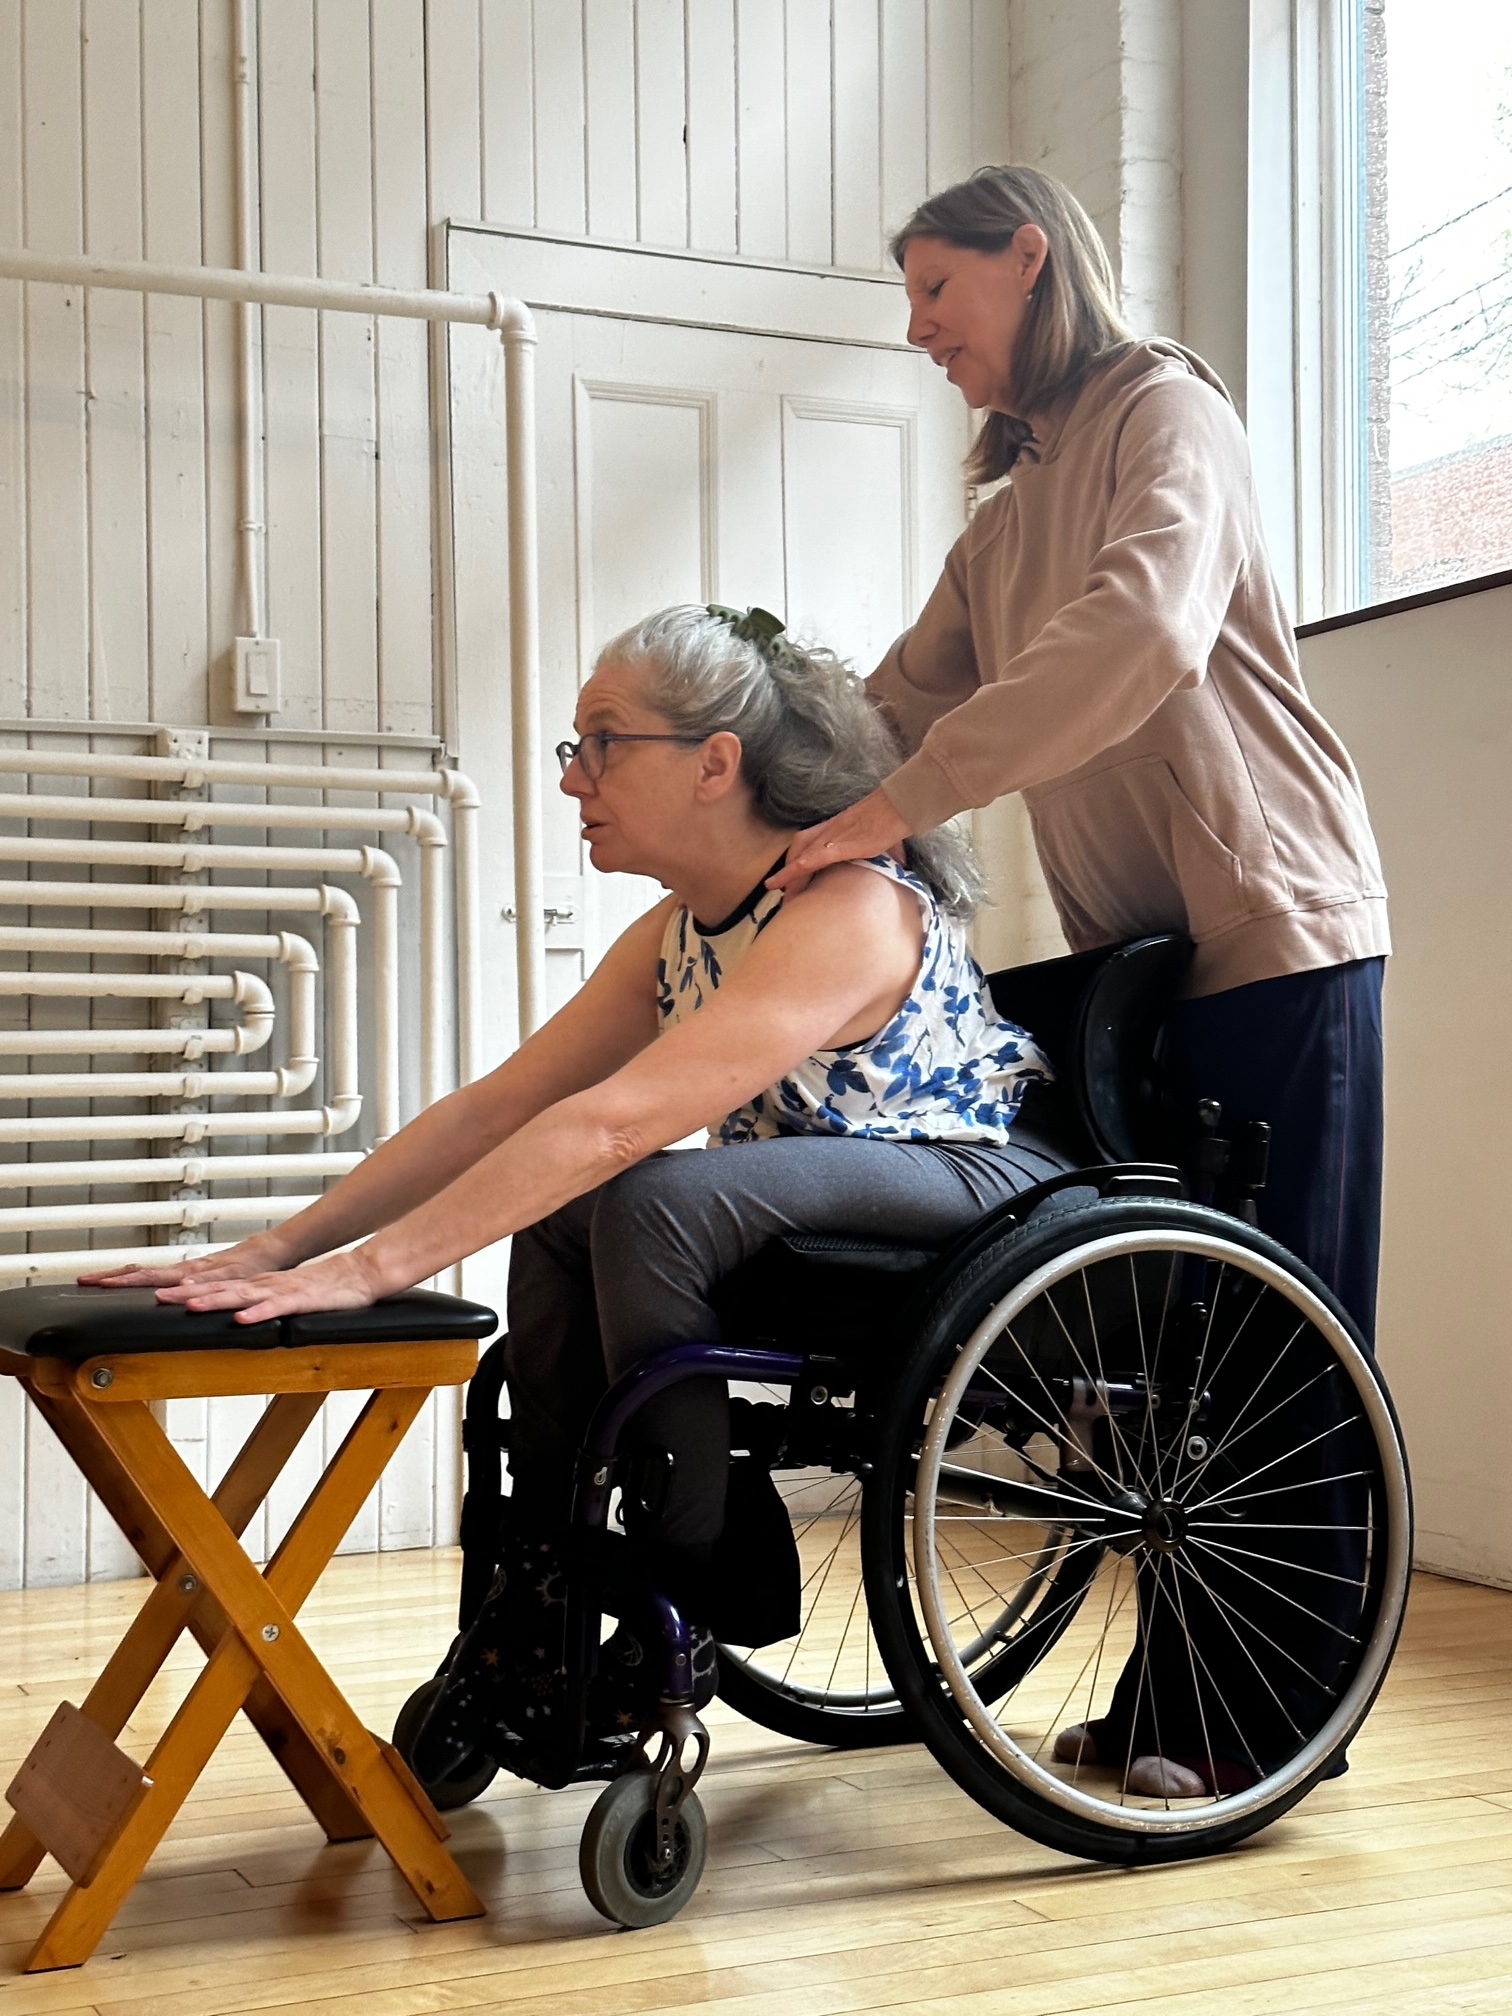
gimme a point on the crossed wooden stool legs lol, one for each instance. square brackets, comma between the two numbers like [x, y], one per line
[80, 1797]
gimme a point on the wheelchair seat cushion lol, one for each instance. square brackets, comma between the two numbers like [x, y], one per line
[66, 1321]
[820, 1291]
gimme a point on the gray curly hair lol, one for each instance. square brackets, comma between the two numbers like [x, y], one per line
[811, 743]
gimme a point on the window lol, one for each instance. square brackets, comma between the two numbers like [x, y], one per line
[1430, 462]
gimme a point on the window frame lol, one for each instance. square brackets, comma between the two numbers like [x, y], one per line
[1306, 324]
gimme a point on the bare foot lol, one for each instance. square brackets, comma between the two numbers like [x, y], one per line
[1076, 1745]
[1159, 1778]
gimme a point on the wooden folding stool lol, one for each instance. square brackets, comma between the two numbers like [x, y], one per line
[94, 1361]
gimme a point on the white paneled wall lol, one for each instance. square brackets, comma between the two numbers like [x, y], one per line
[789, 129]
[777, 130]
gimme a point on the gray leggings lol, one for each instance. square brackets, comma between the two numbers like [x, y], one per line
[627, 1269]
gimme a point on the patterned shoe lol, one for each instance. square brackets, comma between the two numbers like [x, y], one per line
[506, 1680]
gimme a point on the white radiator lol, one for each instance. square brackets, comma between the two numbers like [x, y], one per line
[229, 965]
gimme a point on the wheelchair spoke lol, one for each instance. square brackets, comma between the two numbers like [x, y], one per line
[1096, 1652]
[1228, 1352]
[1278, 1525]
[1144, 1674]
[1191, 1650]
[1115, 1435]
[1098, 1649]
[848, 1485]
[1076, 1546]
[998, 1596]
[1056, 1434]
[1230, 1611]
[1280, 1594]
[1194, 1650]
[1232, 1495]
[1148, 1434]
[1223, 1447]
[828, 1567]
[840, 1643]
[1197, 1377]
[1296, 1567]
[970, 1609]
[1221, 1610]
[1282, 1490]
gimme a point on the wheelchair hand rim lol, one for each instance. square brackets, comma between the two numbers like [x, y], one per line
[1192, 1818]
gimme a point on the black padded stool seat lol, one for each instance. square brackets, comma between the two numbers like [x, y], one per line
[66, 1321]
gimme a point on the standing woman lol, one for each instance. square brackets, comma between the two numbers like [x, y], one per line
[1108, 639]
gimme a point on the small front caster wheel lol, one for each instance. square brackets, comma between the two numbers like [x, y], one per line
[617, 1857]
[469, 1781]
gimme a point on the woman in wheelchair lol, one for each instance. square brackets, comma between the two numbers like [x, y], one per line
[841, 1039]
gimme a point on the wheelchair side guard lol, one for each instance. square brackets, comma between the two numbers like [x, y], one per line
[484, 1440]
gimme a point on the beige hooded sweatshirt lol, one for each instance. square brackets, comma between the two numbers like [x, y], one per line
[1107, 638]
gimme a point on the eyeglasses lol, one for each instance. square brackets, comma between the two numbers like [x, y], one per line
[592, 751]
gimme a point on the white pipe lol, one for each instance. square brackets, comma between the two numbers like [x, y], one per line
[174, 896]
[182, 1211]
[432, 990]
[245, 989]
[172, 1169]
[382, 875]
[194, 813]
[193, 773]
[517, 330]
[252, 525]
[274, 290]
[36, 1268]
[190, 988]
[465, 806]
[191, 858]
[296, 954]
[189, 1127]
[454, 785]
[425, 827]
[378, 868]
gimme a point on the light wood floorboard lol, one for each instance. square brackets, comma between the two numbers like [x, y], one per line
[837, 1884]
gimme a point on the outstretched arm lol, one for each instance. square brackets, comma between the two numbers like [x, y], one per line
[597, 1032]
[791, 997]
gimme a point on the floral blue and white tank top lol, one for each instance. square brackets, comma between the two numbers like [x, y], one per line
[947, 1067]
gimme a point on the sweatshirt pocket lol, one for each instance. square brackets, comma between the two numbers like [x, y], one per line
[1125, 851]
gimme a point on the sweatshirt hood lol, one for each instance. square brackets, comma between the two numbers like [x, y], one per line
[1109, 384]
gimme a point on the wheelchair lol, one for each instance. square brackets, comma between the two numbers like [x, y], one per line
[1112, 1458]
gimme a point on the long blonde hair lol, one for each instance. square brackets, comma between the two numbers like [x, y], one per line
[1071, 322]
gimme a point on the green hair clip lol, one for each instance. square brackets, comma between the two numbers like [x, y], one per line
[756, 626]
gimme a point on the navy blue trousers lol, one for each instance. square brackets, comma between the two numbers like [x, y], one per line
[1304, 1053]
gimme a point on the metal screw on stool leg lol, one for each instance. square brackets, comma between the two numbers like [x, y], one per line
[188, 1584]
[102, 1376]
[270, 1632]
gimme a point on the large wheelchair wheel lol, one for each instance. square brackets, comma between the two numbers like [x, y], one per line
[829, 1683]
[1148, 1435]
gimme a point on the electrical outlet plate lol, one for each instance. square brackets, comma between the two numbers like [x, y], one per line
[259, 676]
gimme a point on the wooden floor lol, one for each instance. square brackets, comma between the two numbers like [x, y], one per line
[835, 1883]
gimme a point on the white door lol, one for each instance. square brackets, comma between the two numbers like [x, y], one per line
[707, 431]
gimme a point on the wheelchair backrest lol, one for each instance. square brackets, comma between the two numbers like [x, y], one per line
[1097, 1016]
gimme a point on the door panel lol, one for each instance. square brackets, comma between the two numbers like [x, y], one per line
[682, 462]
[849, 522]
